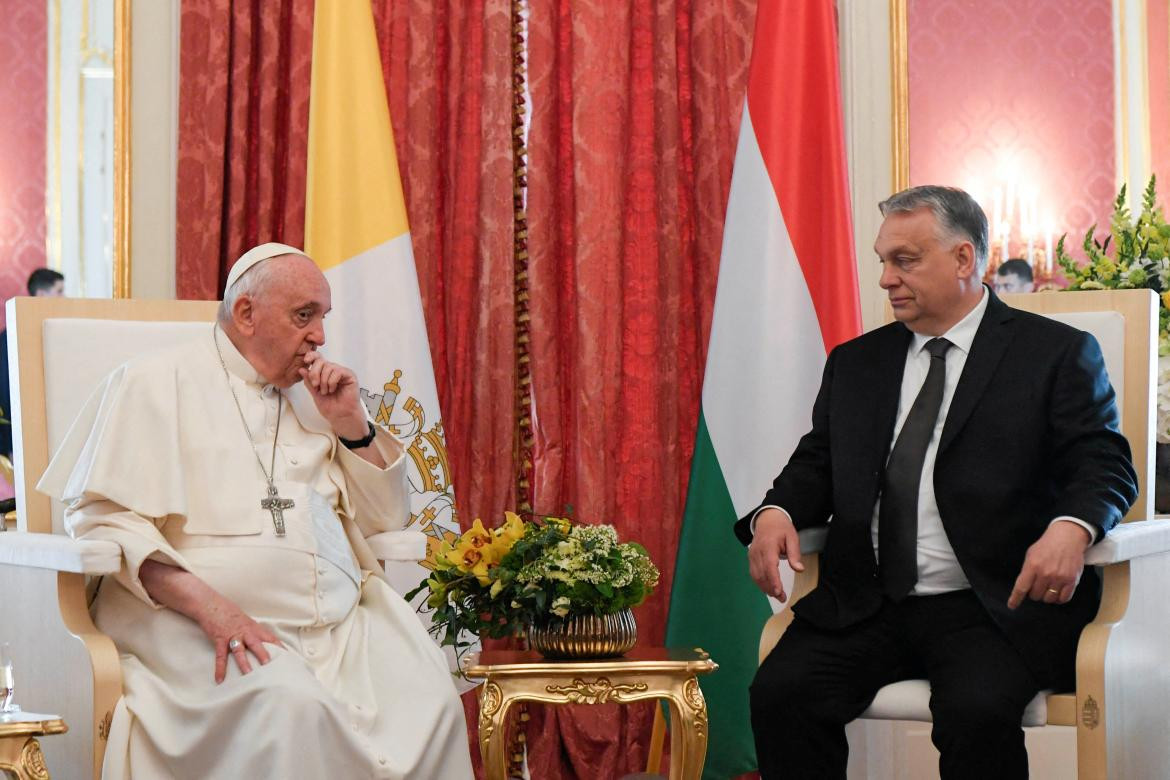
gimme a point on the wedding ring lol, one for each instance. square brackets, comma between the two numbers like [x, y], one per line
[1052, 590]
[235, 644]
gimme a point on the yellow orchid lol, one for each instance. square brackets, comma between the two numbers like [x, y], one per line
[483, 567]
[510, 532]
[477, 535]
[560, 523]
[470, 559]
[445, 557]
[477, 553]
[467, 550]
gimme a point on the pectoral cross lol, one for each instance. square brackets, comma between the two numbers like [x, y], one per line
[276, 505]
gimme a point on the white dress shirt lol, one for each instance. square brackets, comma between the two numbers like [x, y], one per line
[938, 568]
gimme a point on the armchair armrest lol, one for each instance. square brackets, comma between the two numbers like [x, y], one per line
[812, 540]
[59, 553]
[1131, 540]
[1125, 542]
[399, 545]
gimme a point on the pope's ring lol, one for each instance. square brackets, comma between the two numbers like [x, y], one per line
[1053, 590]
[235, 644]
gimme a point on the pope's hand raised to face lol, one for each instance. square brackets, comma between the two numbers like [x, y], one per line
[334, 389]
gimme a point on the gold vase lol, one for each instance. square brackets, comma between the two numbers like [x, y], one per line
[585, 636]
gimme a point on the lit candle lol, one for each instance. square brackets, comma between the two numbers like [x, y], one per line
[997, 209]
[1048, 266]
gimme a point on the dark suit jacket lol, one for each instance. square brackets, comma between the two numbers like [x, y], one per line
[1031, 434]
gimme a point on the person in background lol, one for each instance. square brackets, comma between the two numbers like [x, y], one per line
[1014, 276]
[41, 282]
[47, 283]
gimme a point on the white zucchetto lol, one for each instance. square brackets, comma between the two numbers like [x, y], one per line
[255, 255]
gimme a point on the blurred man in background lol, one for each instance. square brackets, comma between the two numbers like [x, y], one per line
[41, 282]
[1014, 276]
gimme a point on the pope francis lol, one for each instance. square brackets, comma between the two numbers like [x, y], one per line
[240, 476]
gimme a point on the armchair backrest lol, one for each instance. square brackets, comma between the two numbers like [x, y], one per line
[59, 350]
[1125, 324]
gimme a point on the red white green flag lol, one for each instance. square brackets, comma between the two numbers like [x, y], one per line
[787, 293]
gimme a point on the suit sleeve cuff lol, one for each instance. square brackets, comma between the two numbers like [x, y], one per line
[1066, 519]
[752, 522]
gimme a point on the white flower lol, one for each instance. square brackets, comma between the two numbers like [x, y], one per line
[560, 606]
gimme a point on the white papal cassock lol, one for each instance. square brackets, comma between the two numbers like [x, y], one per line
[158, 461]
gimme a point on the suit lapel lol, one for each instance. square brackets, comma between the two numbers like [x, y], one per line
[988, 348]
[887, 378]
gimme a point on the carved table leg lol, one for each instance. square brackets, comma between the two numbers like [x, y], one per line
[23, 758]
[493, 744]
[688, 716]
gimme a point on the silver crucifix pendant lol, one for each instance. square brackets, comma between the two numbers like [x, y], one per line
[276, 505]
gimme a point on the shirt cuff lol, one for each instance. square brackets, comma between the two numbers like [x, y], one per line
[1066, 519]
[752, 522]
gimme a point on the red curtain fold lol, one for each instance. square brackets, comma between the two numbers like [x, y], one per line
[448, 76]
[244, 69]
[636, 111]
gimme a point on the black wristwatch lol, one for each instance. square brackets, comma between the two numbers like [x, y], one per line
[357, 444]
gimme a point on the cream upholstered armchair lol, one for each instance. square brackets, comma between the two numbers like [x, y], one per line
[1122, 701]
[59, 350]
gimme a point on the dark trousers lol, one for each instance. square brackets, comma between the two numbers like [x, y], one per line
[815, 681]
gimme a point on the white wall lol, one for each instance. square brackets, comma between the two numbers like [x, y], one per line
[866, 83]
[154, 119]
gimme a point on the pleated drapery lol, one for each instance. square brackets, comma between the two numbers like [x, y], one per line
[635, 117]
[244, 72]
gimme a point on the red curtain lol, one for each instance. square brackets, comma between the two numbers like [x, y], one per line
[447, 67]
[448, 76]
[243, 132]
[636, 110]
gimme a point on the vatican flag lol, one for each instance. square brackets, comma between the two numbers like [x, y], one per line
[356, 231]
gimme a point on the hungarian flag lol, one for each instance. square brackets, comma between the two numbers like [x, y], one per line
[356, 231]
[787, 293]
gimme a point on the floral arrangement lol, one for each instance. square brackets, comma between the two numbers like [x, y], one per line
[1140, 259]
[496, 583]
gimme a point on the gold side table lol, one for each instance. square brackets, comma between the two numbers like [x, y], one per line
[20, 753]
[644, 673]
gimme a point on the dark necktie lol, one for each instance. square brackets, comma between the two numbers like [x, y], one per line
[898, 514]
